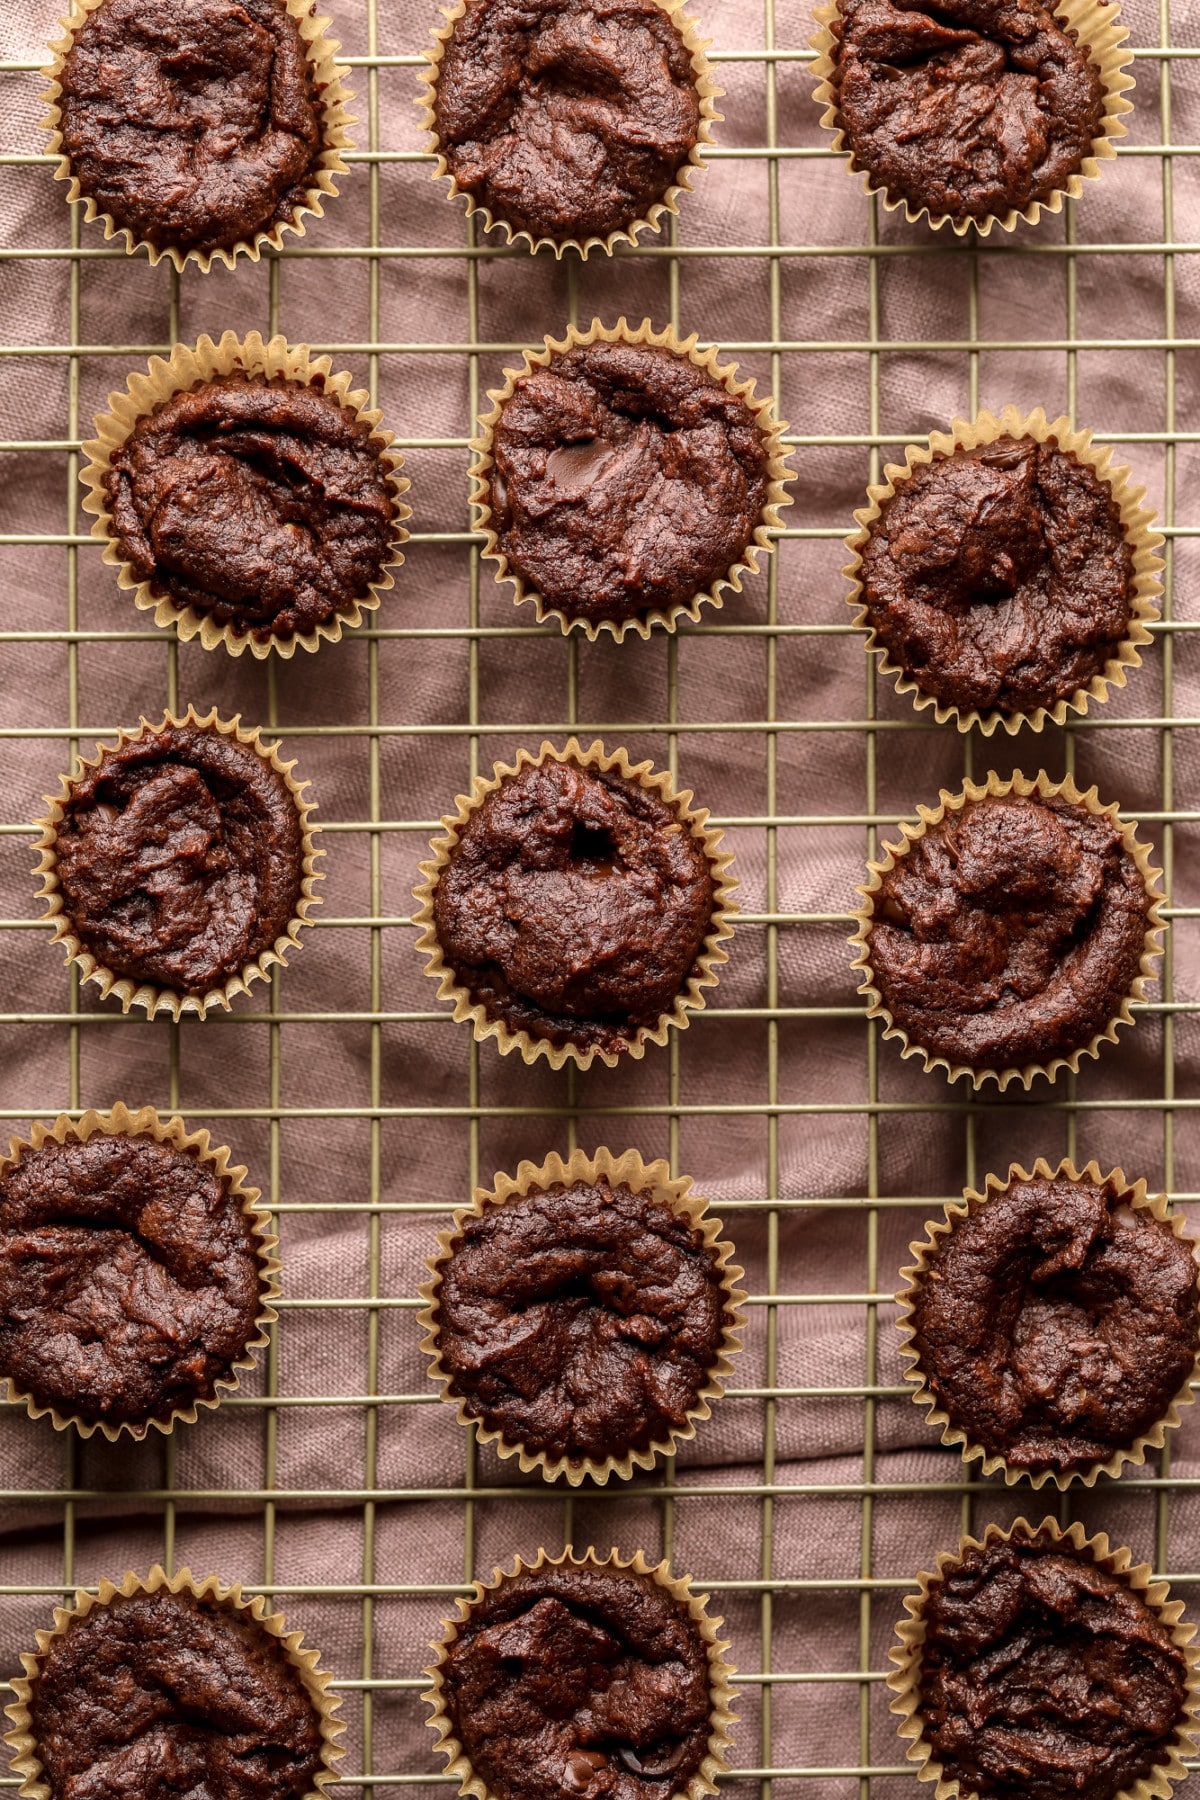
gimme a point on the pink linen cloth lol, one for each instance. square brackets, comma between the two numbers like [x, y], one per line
[820, 1444]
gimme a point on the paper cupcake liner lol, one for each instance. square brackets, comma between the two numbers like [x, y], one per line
[185, 369]
[1091, 22]
[905, 1680]
[134, 993]
[1136, 524]
[691, 997]
[648, 1178]
[707, 91]
[328, 78]
[973, 790]
[721, 1713]
[315, 1680]
[1133, 1194]
[146, 1122]
[779, 473]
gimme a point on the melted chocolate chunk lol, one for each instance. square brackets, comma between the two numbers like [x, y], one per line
[1010, 933]
[263, 504]
[194, 123]
[589, 1682]
[1000, 578]
[566, 118]
[574, 905]
[129, 1278]
[626, 480]
[158, 1695]
[968, 107]
[1043, 1675]
[581, 1321]
[1056, 1324]
[180, 858]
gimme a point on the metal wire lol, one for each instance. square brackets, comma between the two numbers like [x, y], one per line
[866, 1591]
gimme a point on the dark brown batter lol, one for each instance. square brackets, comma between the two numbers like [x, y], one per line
[566, 118]
[160, 1695]
[626, 480]
[262, 503]
[1010, 933]
[1044, 1675]
[129, 1278]
[581, 1321]
[193, 123]
[180, 858]
[574, 906]
[1000, 578]
[968, 107]
[1056, 1324]
[590, 1683]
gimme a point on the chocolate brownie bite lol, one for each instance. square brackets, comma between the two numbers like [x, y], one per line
[569, 120]
[1009, 934]
[623, 482]
[198, 127]
[1054, 1322]
[1037, 1664]
[586, 1679]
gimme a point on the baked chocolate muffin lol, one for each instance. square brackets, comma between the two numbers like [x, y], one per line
[1000, 578]
[1010, 933]
[626, 480]
[194, 124]
[972, 108]
[586, 1681]
[150, 1696]
[130, 1280]
[1055, 1323]
[262, 503]
[1044, 1674]
[581, 1321]
[180, 857]
[574, 905]
[567, 119]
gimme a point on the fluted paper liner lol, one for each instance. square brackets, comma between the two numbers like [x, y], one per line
[905, 1680]
[185, 369]
[1133, 1194]
[1136, 524]
[329, 88]
[1094, 23]
[653, 1179]
[972, 790]
[144, 993]
[721, 1712]
[779, 473]
[712, 954]
[707, 91]
[146, 1122]
[315, 1680]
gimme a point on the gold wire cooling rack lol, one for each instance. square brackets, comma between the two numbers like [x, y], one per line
[868, 1598]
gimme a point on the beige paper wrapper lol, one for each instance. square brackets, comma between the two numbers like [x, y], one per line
[1136, 522]
[905, 1680]
[667, 207]
[186, 368]
[691, 998]
[128, 991]
[146, 1122]
[722, 1715]
[1133, 1194]
[973, 790]
[315, 1680]
[328, 77]
[1091, 22]
[779, 473]
[648, 1178]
